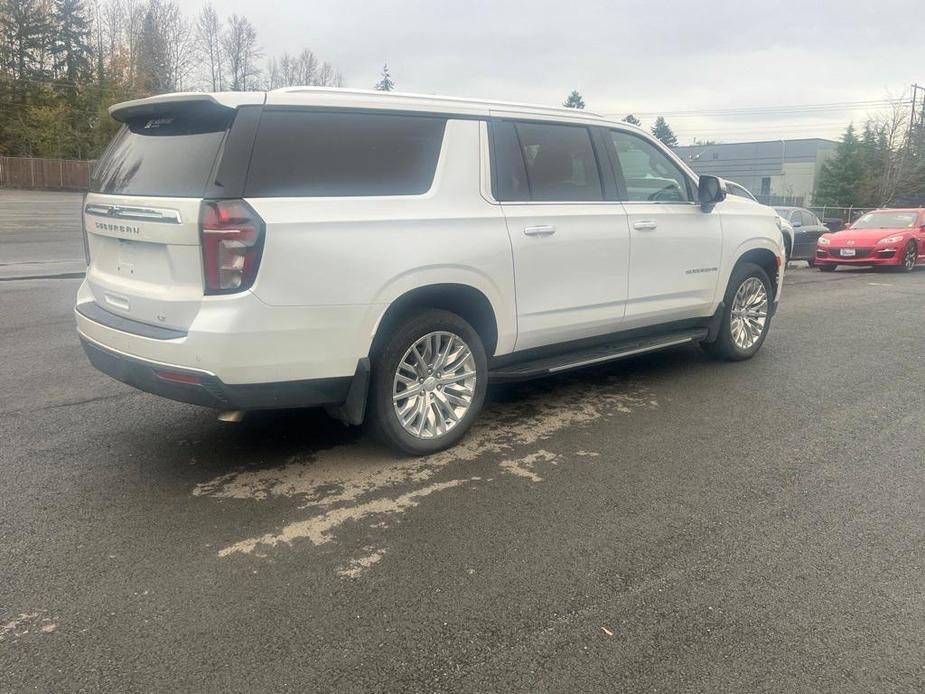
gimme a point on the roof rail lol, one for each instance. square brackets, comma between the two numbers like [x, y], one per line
[434, 97]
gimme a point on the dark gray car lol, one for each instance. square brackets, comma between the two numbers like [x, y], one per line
[806, 231]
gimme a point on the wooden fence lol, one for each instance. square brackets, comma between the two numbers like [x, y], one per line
[45, 174]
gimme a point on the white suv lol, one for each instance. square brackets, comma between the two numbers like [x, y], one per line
[386, 256]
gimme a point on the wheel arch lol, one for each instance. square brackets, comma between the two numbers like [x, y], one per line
[766, 259]
[466, 301]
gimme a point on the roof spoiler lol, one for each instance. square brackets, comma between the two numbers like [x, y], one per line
[155, 105]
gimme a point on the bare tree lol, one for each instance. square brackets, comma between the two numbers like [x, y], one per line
[326, 75]
[889, 129]
[286, 71]
[305, 69]
[112, 18]
[133, 17]
[241, 52]
[209, 32]
[180, 47]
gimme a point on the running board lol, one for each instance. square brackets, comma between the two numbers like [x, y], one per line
[600, 354]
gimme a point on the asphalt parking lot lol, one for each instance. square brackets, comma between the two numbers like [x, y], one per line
[666, 523]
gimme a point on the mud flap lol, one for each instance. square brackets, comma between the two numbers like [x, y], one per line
[353, 409]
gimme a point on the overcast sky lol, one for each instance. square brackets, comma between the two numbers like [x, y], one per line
[668, 56]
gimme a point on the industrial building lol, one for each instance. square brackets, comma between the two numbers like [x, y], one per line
[777, 172]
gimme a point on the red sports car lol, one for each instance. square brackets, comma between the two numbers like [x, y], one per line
[883, 237]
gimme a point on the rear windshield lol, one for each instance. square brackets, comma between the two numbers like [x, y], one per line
[169, 154]
[308, 153]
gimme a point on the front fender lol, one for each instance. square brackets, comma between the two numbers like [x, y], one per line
[751, 244]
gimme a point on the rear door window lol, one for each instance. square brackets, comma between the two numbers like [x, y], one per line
[167, 154]
[560, 162]
[306, 153]
[508, 170]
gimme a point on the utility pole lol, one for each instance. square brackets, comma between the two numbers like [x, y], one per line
[915, 95]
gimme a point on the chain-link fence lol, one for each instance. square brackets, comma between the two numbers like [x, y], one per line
[45, 174]
[836, 218]
[780, 200]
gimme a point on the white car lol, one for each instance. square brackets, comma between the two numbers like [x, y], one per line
[388, 255]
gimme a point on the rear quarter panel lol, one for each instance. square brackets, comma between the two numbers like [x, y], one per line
[368, 251]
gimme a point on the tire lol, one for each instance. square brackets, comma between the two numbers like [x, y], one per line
[827, 267]
[435, 334]
[730, 343]
[909, 257]
[811, 261]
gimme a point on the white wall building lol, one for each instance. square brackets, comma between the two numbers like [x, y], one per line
[775, 171]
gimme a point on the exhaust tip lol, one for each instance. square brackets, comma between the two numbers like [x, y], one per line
[231, 415]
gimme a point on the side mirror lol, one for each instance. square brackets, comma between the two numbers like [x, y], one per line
[710, 191]
[796, 224]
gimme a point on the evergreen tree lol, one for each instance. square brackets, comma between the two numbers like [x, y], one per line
[64, 62]
[71, 50]
[910, 191]
[663, 132]
[151, 67]
[632, 120]
[24, 33]
[875, 159]
[574, 100]
[841, 179]
[385, 84]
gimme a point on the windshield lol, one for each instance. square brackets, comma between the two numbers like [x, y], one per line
[886, 220]
[736, 189]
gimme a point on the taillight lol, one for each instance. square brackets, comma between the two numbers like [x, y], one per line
[231, 234]
[83, 229]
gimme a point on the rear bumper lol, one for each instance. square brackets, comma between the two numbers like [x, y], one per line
[206, 389]
[240, 339]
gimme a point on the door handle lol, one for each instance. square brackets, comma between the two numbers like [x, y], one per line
[542, 230]
[647, 225]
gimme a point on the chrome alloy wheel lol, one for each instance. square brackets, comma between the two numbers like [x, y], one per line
[910, 256]
[749, 313]
[434, 385]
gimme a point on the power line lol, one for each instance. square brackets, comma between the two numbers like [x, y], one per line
[770, 110]
[839, 125]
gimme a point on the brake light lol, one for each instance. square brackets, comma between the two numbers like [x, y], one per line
[231, 235]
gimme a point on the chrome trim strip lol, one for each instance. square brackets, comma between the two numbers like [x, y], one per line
[142, 214]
